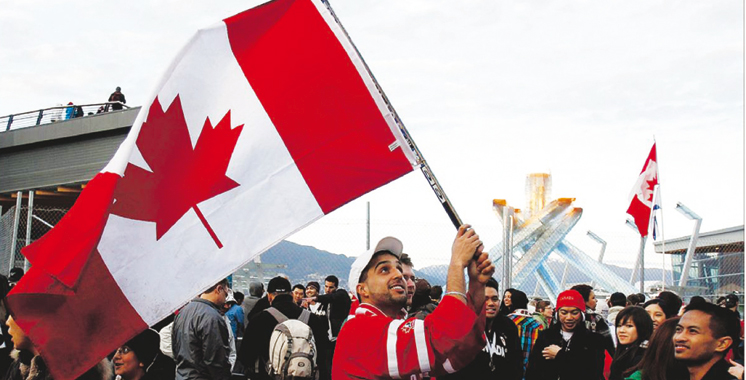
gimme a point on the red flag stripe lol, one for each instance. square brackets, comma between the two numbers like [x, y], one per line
[301, 73]
[94, 310]
[63, 252]
[641, 214]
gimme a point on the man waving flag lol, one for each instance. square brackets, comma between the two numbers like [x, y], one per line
[641, 196]
[263, 123]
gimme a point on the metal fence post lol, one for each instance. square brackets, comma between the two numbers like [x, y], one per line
[507, 246]
[10, 122]
[38, 119]
[29, 221]
[14, 237]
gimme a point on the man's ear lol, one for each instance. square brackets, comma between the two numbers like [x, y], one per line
[723, 344]
[362, 290]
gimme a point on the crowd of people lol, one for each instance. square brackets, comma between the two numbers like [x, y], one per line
[392, 325]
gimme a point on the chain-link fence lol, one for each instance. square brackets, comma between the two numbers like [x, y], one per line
[6, 238]
[42, 220]
[329, 246]
[574, 258]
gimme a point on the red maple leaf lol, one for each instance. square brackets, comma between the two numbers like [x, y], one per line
[181, 177]
[651, 187]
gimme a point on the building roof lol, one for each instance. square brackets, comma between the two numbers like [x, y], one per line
[732, 236]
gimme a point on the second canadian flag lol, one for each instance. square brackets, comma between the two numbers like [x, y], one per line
[641, 196]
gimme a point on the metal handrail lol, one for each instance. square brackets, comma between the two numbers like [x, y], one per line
[53, 114]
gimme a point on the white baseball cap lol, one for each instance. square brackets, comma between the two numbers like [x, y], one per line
[388, 243]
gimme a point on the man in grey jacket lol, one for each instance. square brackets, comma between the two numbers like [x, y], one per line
[200, 337]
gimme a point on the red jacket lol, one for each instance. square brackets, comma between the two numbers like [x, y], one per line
[373, 346]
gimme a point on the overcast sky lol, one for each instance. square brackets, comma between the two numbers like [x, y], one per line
[490, 91]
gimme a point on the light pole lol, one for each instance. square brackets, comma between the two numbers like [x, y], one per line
[692, 243]
[640, 262]
[508, 222]
[599, 241]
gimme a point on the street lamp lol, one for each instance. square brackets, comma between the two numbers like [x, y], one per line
[508, 216]
[599, 241]
[640, 262]
[692, 242]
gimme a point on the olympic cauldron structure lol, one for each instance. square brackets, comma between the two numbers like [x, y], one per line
[538, 232]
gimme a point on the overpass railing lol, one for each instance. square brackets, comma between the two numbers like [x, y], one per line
[54, 114]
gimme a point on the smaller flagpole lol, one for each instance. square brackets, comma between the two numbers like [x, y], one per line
[645, 238]
[424, 167]
[663, 239]
[660, 201]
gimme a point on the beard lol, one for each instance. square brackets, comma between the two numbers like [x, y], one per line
[399, 301]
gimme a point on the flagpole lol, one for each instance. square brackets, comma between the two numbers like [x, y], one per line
[656, 201]
[643, 239]
[659, 201]
[663, 244]
[424, 167]
[663, 230]
[650, 222]
[642, 263]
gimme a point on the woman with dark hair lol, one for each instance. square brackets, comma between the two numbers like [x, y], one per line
[633, 330]
[506, 306]
[672, 301]
[656, 309]
[658, 362]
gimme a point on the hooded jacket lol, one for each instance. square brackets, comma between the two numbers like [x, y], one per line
[500, 359]
[613, 311]
[581, 358]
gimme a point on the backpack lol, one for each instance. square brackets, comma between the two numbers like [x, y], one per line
[292, 349]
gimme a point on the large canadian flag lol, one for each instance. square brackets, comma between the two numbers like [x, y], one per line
[641, 196]
[263, 123]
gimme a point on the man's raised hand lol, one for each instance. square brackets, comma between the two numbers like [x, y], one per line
[464, 246]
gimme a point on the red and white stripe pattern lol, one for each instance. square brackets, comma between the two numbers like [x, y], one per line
[316, 134]
[407, 347]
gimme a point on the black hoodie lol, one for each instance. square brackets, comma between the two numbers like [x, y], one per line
[582, 358]
[502, 358]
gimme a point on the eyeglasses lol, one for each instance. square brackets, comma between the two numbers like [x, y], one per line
[124, 350]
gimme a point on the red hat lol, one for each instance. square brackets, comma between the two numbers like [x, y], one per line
[570, 298]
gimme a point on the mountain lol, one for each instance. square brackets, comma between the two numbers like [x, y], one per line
[437, 275]
[306, 263]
